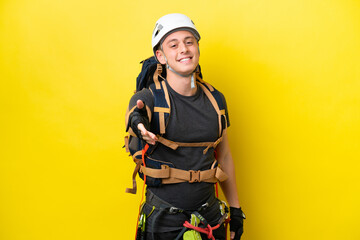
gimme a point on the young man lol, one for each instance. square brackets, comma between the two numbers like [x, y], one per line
[193, 121]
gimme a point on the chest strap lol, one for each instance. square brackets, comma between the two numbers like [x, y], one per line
[175, 145]
[173, 175]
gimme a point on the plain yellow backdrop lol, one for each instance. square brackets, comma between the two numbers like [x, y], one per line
[290, 71]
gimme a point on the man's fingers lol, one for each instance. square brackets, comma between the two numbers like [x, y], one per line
[139, 104]
[152, 136]
[232, 235]
[142, 129]
[149, 137]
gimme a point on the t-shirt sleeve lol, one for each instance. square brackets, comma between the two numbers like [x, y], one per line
[226, 110]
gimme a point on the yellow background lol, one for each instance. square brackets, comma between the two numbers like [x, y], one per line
[290, 71]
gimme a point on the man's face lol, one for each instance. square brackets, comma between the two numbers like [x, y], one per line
[181, 51]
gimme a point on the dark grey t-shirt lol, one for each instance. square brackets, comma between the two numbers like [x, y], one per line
[192, 119]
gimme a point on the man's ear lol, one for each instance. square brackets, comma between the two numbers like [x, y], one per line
[160, 56]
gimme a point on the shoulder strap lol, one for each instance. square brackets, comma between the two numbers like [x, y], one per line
[217, 101]
[161, 102]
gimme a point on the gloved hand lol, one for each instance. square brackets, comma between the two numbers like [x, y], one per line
[236, 222]
[139, 122]
[139, 115]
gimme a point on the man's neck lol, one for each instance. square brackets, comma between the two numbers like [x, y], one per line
[181, 85]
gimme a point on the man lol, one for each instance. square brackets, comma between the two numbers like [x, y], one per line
[193, 120]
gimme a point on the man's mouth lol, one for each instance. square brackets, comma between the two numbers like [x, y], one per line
[185, 59]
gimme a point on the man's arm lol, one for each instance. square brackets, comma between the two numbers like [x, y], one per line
[226, 162]
[229, 188]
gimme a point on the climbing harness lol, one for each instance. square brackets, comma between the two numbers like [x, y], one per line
[191, 229]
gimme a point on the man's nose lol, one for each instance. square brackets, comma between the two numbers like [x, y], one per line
[183, 48]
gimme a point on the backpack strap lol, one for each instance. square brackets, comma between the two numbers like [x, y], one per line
[137, 159]
[203, 82]
[161, 106]
[215, 105]
[156, 75]
[134, 188]
[217, 101]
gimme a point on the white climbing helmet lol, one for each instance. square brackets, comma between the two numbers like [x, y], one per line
[171, 23]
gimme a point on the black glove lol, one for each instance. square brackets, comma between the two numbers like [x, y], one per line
[139, 116]
[236, 222]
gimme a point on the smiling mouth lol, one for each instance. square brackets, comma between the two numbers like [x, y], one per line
[185, 59]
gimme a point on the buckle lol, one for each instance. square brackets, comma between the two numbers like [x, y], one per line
[174, 210]
[194, 176]
[203, 207]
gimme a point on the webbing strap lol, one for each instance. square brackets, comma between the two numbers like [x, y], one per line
[156, 76]
[220, 175]
[173, 175]
[131, 132]
[126, 140]
[166, 93]
[127, 114]
[136, 156]
[174, 145]
[202, 81]
[168, 143]
[214, 103]
[213, 145]
[161, 109]
[138, 162]
[162, 122]
[134, 188]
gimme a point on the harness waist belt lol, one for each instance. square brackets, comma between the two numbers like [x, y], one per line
[159, 203]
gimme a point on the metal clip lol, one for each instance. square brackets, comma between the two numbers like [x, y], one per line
[203, 207]
[174, 210]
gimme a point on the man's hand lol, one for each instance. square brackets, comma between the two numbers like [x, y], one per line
[236, 223]
[140, 122]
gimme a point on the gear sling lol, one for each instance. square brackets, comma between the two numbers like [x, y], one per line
[156, 173]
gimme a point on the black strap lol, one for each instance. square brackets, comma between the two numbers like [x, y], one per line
[181, 233]
[163, 206]
[154, 221]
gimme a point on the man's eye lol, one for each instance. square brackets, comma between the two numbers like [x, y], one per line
[172, 46]
[189, 43]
